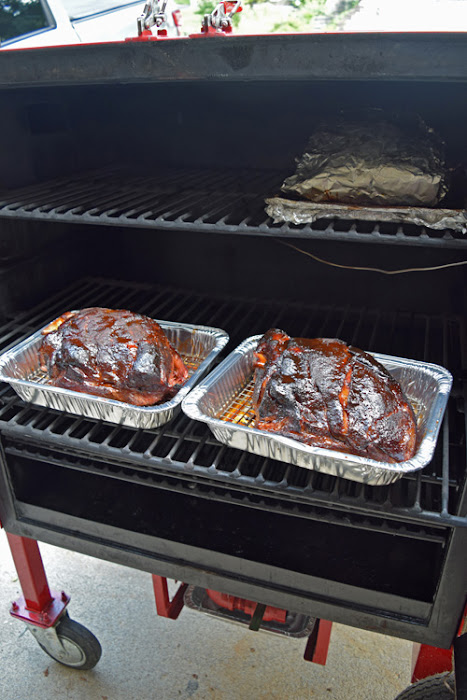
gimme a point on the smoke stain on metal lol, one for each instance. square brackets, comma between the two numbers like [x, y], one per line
[237, 57]
[150, 58]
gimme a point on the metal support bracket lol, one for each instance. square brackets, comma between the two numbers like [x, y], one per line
[38, 605]
[317, 647]
[45, 618]
[164, 606]
[153, 15]
[219, 22]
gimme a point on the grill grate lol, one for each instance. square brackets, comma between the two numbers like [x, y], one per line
[239, 409]
[186, 449]
[212, 201]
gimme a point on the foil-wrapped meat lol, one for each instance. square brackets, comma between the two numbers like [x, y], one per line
[327, 394]
[116, 354]
[371, 160]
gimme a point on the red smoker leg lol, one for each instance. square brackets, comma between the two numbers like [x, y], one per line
[38, 605]
[164, 606]
[428, 661]
[318, 643]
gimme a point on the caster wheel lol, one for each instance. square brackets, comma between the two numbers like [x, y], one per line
[70, 644]
[439, 687]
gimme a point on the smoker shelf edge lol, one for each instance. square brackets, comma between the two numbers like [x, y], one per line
[198, 477]
[199, 201]
[442, 240]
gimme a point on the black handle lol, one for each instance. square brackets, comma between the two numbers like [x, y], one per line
[257, 617]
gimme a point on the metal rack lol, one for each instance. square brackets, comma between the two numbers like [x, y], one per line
[194, 200]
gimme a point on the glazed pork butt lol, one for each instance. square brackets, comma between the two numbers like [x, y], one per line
[112, 353]
[327, 394]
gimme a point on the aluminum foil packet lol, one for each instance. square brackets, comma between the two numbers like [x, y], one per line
[281, 209]
[371, 161]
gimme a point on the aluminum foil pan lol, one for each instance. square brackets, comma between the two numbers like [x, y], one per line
[197, 345]
[293, 212]
[223, 401]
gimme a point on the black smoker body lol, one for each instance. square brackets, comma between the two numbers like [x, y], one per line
[134, 176]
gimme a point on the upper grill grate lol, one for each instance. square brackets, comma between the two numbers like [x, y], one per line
[210, 201]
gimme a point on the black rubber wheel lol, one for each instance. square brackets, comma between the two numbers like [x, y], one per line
[439, 687]
[81, 649]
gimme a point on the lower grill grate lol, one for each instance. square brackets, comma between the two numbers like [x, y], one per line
[187, 450]
[211, 201]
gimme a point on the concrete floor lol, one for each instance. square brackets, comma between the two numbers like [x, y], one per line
[146, 657]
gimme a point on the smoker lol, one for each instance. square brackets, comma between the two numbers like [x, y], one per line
[134, 175]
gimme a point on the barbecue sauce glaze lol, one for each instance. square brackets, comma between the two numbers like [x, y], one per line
[327, 394]
[112, 353]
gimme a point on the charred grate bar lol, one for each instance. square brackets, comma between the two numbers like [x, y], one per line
[189, 450]
[198, 201]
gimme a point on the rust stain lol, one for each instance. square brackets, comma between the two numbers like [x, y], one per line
[263, 686]
[242, 647]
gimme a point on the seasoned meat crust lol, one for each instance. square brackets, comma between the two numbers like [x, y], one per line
[112, 353]
[327, 394]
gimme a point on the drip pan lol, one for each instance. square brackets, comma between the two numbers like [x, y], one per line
[223, 401]
[197, 345]
[295, 625]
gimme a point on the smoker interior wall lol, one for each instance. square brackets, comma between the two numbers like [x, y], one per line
[50, 256]
[261, 267]
[53, 131]
[36, 260]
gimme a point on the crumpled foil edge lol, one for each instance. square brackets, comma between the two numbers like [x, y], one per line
[290, 211]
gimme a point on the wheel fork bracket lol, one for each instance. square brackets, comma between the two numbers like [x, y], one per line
[48, 638]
